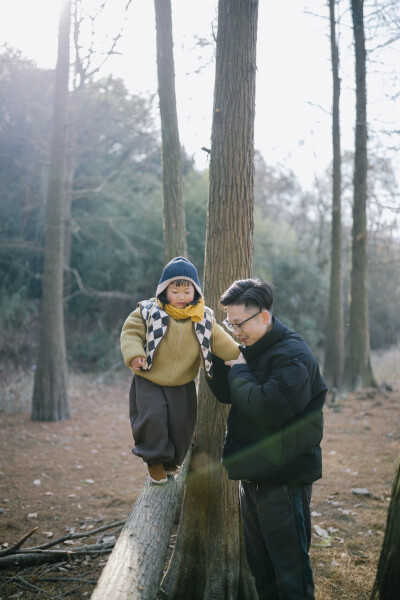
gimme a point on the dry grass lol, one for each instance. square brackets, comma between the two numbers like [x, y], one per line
[361, 446]
[15, 391]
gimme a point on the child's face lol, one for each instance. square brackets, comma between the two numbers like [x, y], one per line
[180, 296]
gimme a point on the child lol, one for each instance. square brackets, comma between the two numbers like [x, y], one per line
[163, 341]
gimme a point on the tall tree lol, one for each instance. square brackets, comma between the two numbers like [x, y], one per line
[174, 212]
[50, 392]
[387, 582]
[334, 342]
[358, 370]
[208, 561]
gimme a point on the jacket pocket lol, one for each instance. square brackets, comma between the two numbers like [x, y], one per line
[253, 461]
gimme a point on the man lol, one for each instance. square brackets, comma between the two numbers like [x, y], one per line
[272, 440]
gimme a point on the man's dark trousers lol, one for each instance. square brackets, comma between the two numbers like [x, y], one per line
[277, 533]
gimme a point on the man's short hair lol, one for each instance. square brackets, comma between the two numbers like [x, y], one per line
[253, 293]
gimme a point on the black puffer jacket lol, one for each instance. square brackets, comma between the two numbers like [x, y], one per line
[275, 424]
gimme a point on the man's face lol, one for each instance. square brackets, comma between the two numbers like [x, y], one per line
[254, 329]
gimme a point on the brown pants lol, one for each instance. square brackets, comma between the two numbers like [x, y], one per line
[163, 420]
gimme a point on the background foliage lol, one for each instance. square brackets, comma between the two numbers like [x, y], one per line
[116, 223]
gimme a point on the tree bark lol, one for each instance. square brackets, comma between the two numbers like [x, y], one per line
[174, 212]
[387, 582]
[50, 395]
[334, 343]
[135, 567]
[358, 371]
[208, 561]
[70, 175]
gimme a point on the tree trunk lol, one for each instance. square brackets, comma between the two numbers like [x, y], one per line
[387, 582]
[208, 561]
[69, 185]
[334, 344]
[50, 395]
[174, 212]
[358, 370]
[135, 567]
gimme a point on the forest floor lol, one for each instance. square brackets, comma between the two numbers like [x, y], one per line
[78, 475]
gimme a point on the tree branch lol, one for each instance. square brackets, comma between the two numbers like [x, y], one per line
[92, 292]
[37, 557]
[74, 536]
[18, 544]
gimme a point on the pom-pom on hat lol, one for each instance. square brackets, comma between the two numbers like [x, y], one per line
[179, 268]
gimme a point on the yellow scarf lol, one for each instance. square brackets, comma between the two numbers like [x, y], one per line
[191, 311]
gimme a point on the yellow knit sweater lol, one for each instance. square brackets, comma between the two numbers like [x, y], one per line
[178, 357]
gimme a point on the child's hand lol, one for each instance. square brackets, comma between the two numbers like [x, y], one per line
[138, 362]
[240, 360]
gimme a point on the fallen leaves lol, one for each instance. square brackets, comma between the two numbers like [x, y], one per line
[321, 532]
[47, 534]
[361, 492]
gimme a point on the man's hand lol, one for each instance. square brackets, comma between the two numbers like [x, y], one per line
[138, 362]
[240, 360]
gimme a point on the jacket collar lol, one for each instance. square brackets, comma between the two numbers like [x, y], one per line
[277, 332]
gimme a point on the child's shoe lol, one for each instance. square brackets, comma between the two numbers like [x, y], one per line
[171, 469]
[157, 474]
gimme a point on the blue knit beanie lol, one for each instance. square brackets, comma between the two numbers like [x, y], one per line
[178, 268]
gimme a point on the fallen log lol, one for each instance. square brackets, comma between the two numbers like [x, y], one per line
[32, 557]
[135, 568]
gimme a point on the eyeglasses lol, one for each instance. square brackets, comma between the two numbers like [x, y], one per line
[238, 326]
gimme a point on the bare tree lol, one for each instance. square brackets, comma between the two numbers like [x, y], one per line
[387, 582]
[334, 343]
[174, 212]
[50, 393]
[208, 561]
[358, 370]
[88, 61]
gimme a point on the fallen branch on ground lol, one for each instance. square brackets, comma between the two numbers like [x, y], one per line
[18, 544]
[69, 579]
[35, 588]
[75, 536]
[36, 555]
[36, 578]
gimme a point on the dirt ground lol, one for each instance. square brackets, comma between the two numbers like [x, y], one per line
[78, 475]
